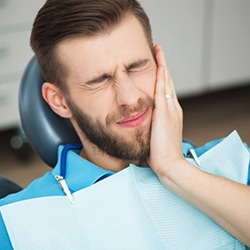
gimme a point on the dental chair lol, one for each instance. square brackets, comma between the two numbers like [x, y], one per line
[44, 130]
[8, 187]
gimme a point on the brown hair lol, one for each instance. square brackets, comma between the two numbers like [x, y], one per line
[61, 19]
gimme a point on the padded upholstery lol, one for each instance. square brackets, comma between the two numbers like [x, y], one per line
[44, 129]
[8, 187]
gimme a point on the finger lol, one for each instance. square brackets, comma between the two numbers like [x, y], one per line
[160, 89]
[161, 63]
[161, 60]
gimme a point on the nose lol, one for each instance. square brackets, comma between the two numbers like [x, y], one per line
[127, 91]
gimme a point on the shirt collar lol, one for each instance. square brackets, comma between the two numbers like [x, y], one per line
[80, 172]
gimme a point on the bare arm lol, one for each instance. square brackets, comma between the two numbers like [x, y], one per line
[225, 201]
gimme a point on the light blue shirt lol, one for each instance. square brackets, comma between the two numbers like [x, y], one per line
[80, 174]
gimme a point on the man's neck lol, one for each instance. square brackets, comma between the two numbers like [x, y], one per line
[93, 154]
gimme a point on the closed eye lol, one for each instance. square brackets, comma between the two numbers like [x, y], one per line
[138, 65]
[99, 79]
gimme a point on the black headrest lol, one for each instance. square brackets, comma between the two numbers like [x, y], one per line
[44, 129]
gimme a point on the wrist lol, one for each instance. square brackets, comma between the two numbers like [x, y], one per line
[174, 174]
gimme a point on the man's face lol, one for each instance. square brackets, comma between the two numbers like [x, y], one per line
[111, 79]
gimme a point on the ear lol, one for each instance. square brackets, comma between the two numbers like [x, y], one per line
[56, 100]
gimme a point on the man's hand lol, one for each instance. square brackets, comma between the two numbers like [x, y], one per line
[203, 190]
[166, 131]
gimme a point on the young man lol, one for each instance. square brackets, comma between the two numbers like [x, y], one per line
[105, 75]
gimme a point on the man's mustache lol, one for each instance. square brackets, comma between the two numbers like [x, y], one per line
[125, 111]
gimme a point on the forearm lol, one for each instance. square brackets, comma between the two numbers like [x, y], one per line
[225, 201]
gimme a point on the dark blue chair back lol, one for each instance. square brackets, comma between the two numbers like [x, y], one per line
[44, 130]
[8, 187]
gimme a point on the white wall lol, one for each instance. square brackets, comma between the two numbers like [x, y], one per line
[207, 42]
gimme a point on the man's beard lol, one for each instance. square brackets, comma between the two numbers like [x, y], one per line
[115, 145]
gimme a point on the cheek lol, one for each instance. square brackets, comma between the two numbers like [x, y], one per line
[146, 83]
[100, 105]
[152, 85]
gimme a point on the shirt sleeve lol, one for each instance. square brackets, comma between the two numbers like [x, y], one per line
[5, 240]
